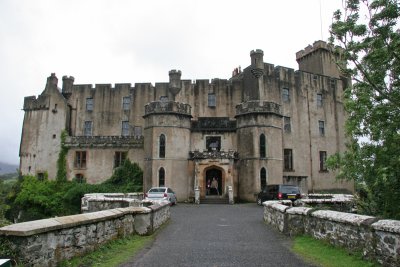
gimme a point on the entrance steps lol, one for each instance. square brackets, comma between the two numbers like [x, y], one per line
[214, 200]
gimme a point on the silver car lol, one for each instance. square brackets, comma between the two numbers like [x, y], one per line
[161, 193]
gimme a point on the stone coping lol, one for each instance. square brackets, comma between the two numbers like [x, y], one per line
[299, 210]
[58, 223]
[387, 226]
[112, 195]
[343, 217]
[276, 205]
[112, 199]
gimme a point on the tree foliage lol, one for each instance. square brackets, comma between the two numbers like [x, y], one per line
[32, 199]
[368, 34]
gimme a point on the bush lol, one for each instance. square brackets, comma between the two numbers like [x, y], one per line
[33, 199]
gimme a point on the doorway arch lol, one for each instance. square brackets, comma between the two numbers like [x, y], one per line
[211, 174]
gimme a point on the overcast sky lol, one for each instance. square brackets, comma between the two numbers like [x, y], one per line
[123, 41]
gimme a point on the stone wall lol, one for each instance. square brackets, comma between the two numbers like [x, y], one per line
[99, 201]
[377, 239]
[50, 241]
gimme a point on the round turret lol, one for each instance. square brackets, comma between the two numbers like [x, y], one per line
[257, 60]
[175, 81]
[68, 83]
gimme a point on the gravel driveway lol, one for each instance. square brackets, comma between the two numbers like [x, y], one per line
[217, 235]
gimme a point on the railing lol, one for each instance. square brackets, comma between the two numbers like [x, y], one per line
[258, 106]
[104, 141]
[214, 154]
[167, 107]
[214, 124]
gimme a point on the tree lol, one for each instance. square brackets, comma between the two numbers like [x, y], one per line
[368, 36]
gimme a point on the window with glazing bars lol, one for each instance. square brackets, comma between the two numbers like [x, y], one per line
[125, 128]
[288, 159]
[126, 103]
[87, 131]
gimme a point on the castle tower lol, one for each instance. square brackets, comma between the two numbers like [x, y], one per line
[175, 82]
[320, 58]
[167, 146]
[52, 81]
[68, 83]
[254, 80]
[259, 144]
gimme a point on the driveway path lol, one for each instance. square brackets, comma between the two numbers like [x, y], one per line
[217, 235]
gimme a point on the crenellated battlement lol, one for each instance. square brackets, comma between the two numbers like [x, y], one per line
[33, 103]
[319, 58]
[317, 45]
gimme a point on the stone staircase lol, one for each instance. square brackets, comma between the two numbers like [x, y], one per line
[214, 200]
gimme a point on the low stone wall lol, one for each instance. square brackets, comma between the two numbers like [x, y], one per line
[105, 201]
[377, 239]
[49, 241]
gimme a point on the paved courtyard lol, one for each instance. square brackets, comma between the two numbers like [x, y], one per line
[217, 235]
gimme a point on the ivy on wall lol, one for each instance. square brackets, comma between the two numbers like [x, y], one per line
[62, 159]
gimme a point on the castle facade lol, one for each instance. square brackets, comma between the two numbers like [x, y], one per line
[264, 125]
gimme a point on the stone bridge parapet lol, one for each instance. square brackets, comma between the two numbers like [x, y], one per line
[48, 242]
[377, 239]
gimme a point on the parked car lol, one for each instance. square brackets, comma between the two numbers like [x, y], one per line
[278, 192]
[161, 193]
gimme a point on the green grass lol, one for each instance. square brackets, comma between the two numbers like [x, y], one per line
[323, 254]
[111, 254]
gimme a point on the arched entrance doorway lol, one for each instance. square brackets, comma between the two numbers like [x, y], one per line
[213, 182]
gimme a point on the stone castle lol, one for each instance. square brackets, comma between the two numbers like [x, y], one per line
[264, 125]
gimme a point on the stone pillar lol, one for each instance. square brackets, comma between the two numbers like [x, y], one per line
[196, 195]
[230, 193]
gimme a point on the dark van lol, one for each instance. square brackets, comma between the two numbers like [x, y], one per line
[278, 192]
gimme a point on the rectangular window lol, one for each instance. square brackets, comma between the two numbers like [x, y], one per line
[126, 103]
[89, 104]
[321, 126]
[333, 83]
[322, 161]
[125, 128]
[288, 159]
[213, 143]
[40, 176]
[287, 125]
[285, 95]
[119, 158]
[319, 100]
[137, 131]
[211, 100]
[88, 128]
[80, 160]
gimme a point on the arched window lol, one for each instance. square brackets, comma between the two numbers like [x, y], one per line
[161, 177]
[162, 146]
[263, 146]
[263, 177]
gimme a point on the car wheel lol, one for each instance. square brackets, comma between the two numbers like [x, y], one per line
[259, 202]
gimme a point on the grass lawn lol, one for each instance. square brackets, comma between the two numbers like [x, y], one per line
[111, 254]
[323, 254]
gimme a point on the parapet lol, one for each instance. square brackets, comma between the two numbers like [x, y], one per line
[312, 48]
[257, 51]
[33, 103]
[175, 72]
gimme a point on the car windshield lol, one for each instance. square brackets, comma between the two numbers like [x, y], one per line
[290, 190]
[157, 190]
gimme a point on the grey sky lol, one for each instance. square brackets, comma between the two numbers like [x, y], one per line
[108, 41]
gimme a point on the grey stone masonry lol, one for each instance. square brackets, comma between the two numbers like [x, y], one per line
[50, 241]
[99, 201]
[377, 239]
